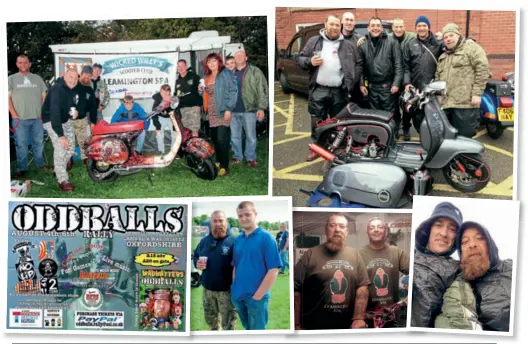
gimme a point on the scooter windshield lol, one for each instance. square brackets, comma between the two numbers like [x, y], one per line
[432, 130]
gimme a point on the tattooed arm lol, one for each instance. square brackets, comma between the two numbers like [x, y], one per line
[360, 307]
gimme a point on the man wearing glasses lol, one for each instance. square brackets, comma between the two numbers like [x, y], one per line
[213, 256]
[331, 283]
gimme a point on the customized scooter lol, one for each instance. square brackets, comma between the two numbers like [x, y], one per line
[110, 150]
[497, 105]
[369, 168]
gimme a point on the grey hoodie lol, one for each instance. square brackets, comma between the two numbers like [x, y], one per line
[330, 72]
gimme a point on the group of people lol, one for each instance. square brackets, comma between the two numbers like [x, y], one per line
[471, 294]
[238, 272]
[234, 98]
[335, 285]
[345, 66]
[67, 111]
[161, 309]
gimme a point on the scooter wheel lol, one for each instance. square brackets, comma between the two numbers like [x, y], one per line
[202, 168]
[195, 280]
[469, 181]
[494, 130]
[95, 173]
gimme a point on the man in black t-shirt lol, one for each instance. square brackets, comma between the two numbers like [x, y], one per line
[190, 104]
[331, 283]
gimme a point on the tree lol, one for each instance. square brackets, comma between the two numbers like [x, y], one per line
[233, 222]
[197, 220]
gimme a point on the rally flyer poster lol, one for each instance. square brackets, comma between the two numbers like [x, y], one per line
[106, 267]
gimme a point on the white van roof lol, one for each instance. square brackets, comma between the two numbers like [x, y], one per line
[199, 40]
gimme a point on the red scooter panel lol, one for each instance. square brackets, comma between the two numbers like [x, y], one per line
[102, 127]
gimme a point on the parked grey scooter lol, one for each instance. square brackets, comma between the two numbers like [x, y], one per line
[370, 168]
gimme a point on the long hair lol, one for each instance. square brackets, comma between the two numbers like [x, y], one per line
[218, 58]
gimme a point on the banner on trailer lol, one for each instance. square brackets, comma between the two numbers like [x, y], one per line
[138, 75]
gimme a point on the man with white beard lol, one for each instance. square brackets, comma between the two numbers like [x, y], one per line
[331, 282]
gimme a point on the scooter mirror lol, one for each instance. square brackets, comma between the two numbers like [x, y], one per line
[175, 102]
[437, 86]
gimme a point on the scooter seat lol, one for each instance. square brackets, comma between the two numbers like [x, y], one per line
[103, 127]
[353, 111]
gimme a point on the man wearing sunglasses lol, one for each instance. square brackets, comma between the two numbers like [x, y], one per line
[213, 256]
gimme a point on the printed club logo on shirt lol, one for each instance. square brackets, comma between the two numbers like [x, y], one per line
[225, 250]
[338, 287]
[27, 83]
[381, 282]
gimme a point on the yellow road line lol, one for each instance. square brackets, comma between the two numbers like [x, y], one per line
[480, 133]
[298, 137]
[279, 125]
[300, 177]
[281, 111]
[498, 150]
[299, 166]
[510, 129]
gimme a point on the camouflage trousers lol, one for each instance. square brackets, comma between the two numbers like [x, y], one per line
[82, 133]
[61, 156]
[191, 118]
[218, 303]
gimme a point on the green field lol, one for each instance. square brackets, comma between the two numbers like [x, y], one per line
[174, 181]
[279, 306]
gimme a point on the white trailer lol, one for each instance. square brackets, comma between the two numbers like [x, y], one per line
[139, 68]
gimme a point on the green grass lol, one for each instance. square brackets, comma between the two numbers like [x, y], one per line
[279, 306]
[173, 181]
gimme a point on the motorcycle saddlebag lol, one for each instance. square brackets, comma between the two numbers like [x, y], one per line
[498, 88]
[374, 184]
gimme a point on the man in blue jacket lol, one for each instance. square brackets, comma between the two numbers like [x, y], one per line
[213, 256]
[256, 264]
[131, 111]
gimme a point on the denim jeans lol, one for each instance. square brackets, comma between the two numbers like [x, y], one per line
[140, 141]
[28, 132]
[166, 124]
[284, 260]
[246, 121]
[253, 314]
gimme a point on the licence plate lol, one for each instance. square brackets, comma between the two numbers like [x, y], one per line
[506, 114]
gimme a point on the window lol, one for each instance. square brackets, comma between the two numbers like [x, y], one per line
[295, 48]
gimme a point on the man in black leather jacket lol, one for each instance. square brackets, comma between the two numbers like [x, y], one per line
[383, 67]
[434, 269]
[490, 277]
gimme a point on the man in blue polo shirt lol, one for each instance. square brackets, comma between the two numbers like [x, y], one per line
[213, 256]
[256, 263]
[284, 247]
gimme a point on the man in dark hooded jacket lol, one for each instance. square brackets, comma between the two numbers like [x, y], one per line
[382, 68]
[490, 277]
[333, 67]
[434, 269]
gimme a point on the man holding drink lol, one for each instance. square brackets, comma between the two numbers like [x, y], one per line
[217, 273]
[334, 67]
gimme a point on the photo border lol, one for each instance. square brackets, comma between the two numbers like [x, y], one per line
[515, 272]
[361, 211]
[290, 257]
[147, 201]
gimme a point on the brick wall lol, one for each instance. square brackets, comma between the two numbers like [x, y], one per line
[493, 30]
